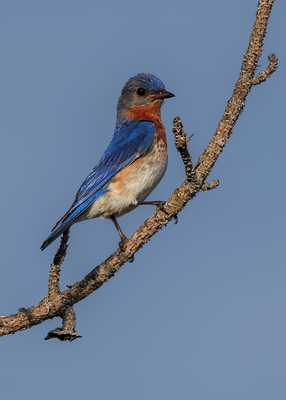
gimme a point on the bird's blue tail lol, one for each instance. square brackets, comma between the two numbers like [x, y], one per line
[54, 235]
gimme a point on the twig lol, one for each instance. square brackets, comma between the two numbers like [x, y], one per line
[54, 276]
[263, 75]
[181, 141]
[208, 186]
[67, 332]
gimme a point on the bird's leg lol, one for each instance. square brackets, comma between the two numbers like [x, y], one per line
[121, 234]
[160, 205]
[153, 203]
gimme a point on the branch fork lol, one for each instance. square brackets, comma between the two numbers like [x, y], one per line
[67, 331]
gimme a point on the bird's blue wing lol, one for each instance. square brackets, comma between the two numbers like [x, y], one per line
[129, 142]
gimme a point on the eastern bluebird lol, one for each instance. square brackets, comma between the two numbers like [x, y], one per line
[133, 164]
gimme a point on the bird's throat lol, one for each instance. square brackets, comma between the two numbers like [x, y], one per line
[150, 112]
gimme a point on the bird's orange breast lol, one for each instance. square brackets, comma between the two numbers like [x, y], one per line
[152, 113]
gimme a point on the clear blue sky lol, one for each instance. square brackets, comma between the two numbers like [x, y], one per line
[200, 314]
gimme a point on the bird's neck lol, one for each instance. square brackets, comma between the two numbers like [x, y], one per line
[150, 112]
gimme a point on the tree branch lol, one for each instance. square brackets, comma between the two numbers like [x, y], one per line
[54, 276]
[209, 186]
[181, 141]
[67, 332]
[263, 75]
[60, 304]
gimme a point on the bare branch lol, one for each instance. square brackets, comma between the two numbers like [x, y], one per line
[67, 332]
[263, 75]
[208, 186]
[181, 145]
[54, 277]
[243, 86]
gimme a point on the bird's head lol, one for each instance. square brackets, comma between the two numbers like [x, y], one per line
[142, 98]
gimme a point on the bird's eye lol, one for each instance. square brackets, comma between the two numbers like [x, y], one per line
[141, 91]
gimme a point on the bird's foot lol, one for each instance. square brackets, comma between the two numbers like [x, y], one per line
[176, 218]
[122, 242]
[160, 205]
[122, 245]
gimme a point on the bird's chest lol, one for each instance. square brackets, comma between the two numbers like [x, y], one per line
[133, 184]
[137, 181]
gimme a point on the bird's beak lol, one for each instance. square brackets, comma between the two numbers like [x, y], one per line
[163, 94]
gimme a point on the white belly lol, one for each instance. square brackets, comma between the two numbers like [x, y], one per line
[131, 186]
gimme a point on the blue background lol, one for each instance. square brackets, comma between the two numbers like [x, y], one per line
[201, 312]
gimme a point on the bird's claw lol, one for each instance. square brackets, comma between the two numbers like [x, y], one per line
[160, 205]
[175, 218]
[121, 246]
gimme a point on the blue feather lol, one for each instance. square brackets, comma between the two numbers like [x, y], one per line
[130, 141]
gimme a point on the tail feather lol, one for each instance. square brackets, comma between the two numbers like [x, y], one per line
[54, 235]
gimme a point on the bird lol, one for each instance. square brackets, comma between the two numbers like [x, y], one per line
[132, 165]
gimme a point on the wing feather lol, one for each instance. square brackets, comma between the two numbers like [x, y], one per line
[129, 142]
